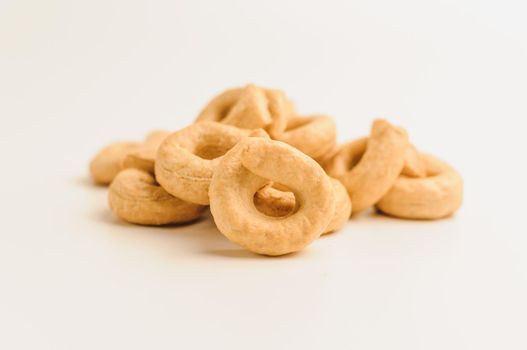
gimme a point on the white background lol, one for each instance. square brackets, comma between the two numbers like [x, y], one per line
[76, 75]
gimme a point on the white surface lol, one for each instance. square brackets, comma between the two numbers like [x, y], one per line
[75, 75]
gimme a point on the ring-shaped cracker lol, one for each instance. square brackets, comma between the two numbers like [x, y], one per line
[327, 156]
[369, 167]
[435, 196]
[145, 155]
[187, 158]
[414, 163]
[315, 135]
[343, 207]
[107, 163]
[249, 166]
[136, 197]
[249, 107]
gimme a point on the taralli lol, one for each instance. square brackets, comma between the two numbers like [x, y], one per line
[315, 136]
[435, 196]
[135, 197]
[144, 156]
[273, 202]
[414, 163]
[343, 207]
[368, 169]
[186, 159]
[250, 107]
[275, 181]
[327, 156]
[108, 162]
[249, 166]
[154, 138]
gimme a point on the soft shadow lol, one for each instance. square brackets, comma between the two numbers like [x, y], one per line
[378, 214]
[365, 215]
[245, 254]
[86, 181]
[106, 216]
[374, 215]
[202, 235]
[233, 253]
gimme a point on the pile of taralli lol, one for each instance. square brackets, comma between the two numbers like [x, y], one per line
[275, 181]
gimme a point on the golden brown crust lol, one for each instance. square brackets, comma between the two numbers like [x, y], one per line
[315, 135]
[324, 159]
[249, 107]
[136, 197]
[273, 202]
[186, 159]
[247, 168]
[343, 207]
[414, 163]
[435, 196]
[107, 163]
[143, 157]
[368, 167]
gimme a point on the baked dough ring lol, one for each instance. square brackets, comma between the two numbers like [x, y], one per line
[107, 162]
[249, 107]
[369, 167]
[414, 163]
[115, 157]
[273, 202]
[327, 156]
[249, 166]
[135, 197]
[436, 196]
[315, 136]
[343, 207]
[187, 158]
[352, 152]
[144, 157]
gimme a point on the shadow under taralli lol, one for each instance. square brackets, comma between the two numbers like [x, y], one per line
[87, 182]
[202, 235]
[245, 254]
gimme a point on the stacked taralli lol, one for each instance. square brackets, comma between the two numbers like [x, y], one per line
[274, 181]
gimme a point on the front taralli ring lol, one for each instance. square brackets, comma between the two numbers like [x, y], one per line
[368, 169]
[315, 136]
[187, 158]
[135, 197]
[250, 107]
[248, 167]
[435, 196]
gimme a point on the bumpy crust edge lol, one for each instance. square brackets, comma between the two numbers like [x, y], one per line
[369, 167]
[436, 196]
[248, 167]
[135, 197]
